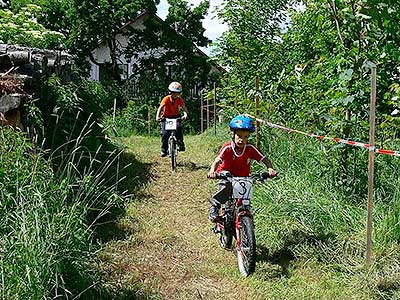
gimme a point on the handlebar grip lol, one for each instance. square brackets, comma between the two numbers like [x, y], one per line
[265, 175]
[224, 175]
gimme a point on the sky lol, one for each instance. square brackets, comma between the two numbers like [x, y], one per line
[213, 26]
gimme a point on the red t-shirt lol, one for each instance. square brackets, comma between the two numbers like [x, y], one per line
[238, 165]
[171, 108]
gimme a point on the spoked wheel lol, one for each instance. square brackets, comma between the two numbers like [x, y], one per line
[172, 152]
[246, 255]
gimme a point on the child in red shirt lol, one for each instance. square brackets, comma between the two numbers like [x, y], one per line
[235, 157]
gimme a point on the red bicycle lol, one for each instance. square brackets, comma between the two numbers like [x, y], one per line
[236, 220]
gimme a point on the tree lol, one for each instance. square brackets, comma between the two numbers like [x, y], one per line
[254, 31]
[171, 42]
[172, 52]
[317, 75]
[4, 3]
[22, 28]
[187, 21]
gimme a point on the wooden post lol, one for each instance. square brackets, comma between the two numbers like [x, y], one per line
[201, 111]
[208, 112]
[257, 111]
[215, 110]
[114, 109]
[371, 167]
[148, 120]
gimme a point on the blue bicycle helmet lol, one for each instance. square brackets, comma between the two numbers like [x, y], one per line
[242, 122]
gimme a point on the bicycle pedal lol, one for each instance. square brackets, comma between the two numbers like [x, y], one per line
[215, 229]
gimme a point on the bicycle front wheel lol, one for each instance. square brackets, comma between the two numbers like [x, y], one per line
[225, 236]
[172, 152]
[246, 253]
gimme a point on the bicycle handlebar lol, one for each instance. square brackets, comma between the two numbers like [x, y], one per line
[180, 119]
[258, 176]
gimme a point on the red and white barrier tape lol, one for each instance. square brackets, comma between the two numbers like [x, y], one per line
[337, 140]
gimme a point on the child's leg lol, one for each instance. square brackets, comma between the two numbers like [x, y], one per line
[220, 197]
[164, 139]
[179, 137]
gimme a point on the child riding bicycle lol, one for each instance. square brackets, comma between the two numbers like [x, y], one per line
[235, 157]
[169, 108]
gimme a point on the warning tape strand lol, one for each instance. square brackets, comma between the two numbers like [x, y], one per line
[337, 140]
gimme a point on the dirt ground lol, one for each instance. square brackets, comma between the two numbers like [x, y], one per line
[171, 251]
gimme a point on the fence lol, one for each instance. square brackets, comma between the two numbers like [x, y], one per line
[210, 110]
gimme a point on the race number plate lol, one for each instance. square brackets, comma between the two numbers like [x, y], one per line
[242, 187]
[171, 124]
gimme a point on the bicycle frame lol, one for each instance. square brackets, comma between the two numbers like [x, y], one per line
[238, 211]
[172, 125]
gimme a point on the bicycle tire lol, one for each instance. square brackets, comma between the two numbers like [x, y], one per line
[172, 152]
[225, 238]
[246, 255]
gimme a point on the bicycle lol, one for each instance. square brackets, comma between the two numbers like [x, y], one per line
[236, 220]
[172, 125]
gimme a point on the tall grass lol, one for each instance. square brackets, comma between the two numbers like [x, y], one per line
[47, 245]
[305, 213]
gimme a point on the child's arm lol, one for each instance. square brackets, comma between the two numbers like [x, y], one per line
[268, 163]
[213, 168]
[185, 112]
[159, 110]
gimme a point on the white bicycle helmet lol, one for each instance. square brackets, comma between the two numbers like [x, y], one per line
[175, 87]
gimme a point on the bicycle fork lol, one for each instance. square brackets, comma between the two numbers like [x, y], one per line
[238, 226]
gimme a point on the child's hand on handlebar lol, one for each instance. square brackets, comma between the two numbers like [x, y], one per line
[271, 172]
[211, 174]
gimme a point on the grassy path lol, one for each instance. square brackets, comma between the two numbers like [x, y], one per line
[170, 251]
[163, 248]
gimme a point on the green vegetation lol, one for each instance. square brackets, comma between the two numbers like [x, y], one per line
[22, 28]
[314, 63]
[314, 75]
[315, 232]
[47, 224]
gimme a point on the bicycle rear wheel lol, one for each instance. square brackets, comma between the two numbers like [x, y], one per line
[172, 152]
[246, 254]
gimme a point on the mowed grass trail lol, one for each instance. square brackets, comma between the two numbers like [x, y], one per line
[170, 251]
[163, 247]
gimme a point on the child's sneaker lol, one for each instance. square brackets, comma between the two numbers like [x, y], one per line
[181, 147]
[214, 214]
[163, 153]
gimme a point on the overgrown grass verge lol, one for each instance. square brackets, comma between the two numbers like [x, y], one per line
[315, 231]
[47, 247]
